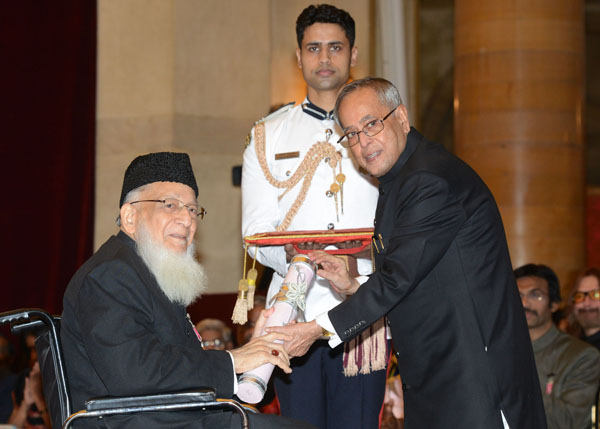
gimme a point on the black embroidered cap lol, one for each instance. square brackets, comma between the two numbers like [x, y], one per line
[158, 167]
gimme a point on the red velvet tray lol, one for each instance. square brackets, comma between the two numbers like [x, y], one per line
[279, 238]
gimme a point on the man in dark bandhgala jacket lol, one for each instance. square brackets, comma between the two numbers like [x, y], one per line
[443, 277]
[125, 330]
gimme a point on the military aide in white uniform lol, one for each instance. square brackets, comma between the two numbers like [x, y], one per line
[290, 132]
[336, 196]
[289, 135]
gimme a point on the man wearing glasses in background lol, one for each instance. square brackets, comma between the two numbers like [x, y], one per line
[586, 306]
[568, 369]
[443, 277]
[124, 327]
[215, 334]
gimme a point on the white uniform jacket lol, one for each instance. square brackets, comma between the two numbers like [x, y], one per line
[295, 130]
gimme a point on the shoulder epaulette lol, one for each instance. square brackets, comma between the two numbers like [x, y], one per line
[276, 113]
[272, 115]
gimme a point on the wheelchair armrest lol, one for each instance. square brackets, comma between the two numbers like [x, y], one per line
[19, 328]
[27, 318]
[187, 396]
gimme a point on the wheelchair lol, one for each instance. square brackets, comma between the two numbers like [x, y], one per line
[56, 387]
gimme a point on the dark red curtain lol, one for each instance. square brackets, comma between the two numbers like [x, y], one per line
[47, 132]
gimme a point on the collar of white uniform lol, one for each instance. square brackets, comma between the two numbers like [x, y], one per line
[315, 111]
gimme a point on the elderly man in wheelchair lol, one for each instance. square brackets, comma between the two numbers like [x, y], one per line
[124, 329]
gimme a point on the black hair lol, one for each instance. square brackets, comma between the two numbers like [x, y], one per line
[326, 14]
[543, 272]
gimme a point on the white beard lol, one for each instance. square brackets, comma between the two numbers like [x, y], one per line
[179, 275]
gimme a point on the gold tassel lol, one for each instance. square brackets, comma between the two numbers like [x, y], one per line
[251, 276]
[240, 311]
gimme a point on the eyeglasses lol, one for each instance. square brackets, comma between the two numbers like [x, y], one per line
[173, 205]
[580, 296]
[534, 295]
[214, 344]
[371, 129]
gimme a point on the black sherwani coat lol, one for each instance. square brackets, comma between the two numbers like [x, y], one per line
[445, 282]
[122, 336]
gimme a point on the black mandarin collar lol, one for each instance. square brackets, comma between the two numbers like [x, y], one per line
[412, 140]
[315, 111]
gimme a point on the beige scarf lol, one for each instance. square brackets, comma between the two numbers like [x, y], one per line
[367, 352]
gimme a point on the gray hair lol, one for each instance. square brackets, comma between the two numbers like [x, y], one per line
[387, 93]
[132, 195]
[215, 325]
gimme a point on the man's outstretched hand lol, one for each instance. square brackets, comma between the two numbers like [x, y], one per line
[262, 349]
[303, 335]
[334, 269]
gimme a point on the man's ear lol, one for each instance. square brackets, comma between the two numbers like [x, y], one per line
[354, 56]
[402, 115]
[128, 218]
[554, 306]
[299, 57]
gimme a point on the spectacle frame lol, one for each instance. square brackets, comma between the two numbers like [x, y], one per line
[371, 129]
[173, 205]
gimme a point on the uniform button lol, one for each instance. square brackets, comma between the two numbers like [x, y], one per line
[329, 193]
[330, 226]
[288, 173]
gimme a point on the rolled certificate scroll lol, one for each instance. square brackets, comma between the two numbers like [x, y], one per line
[252, 385]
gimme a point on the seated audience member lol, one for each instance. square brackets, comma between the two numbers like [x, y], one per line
[392, 415]
[29, 405]
[568, 369]
[7, 378]
[585, 301]
[215, 334]
[125, 330]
